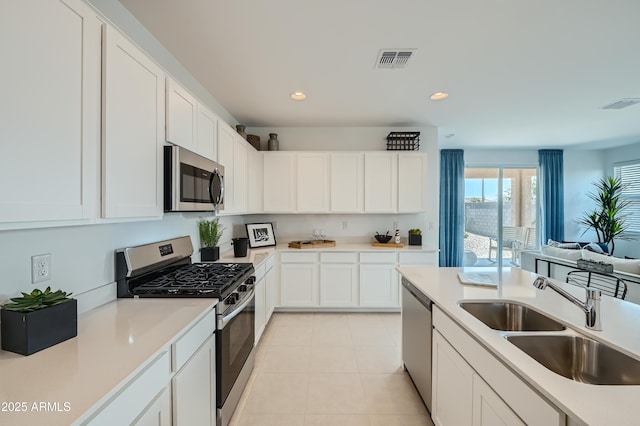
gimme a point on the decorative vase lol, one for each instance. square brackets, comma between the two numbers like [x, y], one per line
[28, 332]
[273, 143]
[240, 128]
[209, 254]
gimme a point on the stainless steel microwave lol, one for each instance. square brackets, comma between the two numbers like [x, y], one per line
[192, 183]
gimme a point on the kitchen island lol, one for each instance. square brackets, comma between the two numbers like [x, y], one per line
[581, 403]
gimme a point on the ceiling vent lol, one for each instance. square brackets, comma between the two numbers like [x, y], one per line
[394, 58]
[622, 103]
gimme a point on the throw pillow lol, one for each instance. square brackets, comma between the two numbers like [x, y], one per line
[594, 247]
[570, 246]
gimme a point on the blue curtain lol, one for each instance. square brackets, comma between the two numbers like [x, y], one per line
[551, 194]
[451, 207]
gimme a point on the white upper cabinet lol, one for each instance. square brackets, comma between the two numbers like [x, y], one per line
[233, 154]
[226, 137]
[380, 182]
[347, 182]
[254, 191]
[206, 133]
[411, 182]
[133, 130]
[50, 111]
[182, 110]
[312, 179]
[240, 174]
[279, 183]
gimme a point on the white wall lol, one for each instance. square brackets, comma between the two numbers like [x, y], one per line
[82, 257]
[120, 17]
[500, 158]
[364, 225]
[581, 169]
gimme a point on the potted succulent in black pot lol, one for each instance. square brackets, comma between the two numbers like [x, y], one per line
[210, 233]
[38, 320]
[415, 237]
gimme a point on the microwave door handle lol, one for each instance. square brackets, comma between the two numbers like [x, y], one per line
[216, 199]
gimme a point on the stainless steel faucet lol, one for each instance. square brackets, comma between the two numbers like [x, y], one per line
[591, 307]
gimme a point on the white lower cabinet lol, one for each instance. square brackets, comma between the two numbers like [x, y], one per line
[333, 279]
[472, 387]
[136, 395]
[260, 307]
[379, 280]
[452, 385]
[460, 395]
[194, 388]
[489, 409]
[272, 287]
[299, 284]
[158, 413]
[338, 285]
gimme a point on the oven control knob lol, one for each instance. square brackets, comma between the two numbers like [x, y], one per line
[250, 280]
[232, 299]
[242, 287]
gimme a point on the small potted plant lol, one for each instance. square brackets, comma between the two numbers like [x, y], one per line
[415, 237]
[38, 320]
[210, 233]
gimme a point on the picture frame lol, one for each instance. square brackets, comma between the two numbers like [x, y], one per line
[260, 235]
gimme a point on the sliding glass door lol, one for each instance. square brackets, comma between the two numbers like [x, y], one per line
[500, 215]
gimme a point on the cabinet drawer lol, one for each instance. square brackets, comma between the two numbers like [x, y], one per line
[292, 257]
[381, 257]
[192, 339]
[271, 260]
[344, 257]
[523, 400]
[260, 271]
[131, 401]
[417, 258]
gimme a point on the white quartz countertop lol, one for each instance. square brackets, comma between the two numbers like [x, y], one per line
[76, 376]
[259, 255]
[588, 404]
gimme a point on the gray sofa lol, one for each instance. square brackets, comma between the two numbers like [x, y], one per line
[556, 263]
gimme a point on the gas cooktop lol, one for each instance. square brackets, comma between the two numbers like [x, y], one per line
[164, 269]
[196, 279]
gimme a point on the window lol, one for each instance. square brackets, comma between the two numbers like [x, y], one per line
[629, 175]
[490, 233]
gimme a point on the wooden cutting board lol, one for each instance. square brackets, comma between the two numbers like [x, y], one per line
[388, 245]
[312, 244]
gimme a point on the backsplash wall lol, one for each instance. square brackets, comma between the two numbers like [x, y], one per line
[344, 227]
[82, 257]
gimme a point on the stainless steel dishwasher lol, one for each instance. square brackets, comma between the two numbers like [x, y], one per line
[417, 328]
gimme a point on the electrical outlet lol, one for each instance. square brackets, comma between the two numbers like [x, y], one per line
[344, 224]
[395, 226]
[40, 268]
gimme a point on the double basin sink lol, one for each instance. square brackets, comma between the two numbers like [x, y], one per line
[575, 357]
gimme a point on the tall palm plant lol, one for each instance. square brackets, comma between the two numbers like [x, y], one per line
[608, 218]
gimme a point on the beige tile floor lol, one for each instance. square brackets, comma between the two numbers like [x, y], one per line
[327, 369]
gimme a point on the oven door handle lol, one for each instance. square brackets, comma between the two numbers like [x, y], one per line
[222, 322]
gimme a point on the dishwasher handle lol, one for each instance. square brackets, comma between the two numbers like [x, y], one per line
[420, 296]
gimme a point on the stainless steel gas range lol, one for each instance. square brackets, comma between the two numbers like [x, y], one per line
[164, 269]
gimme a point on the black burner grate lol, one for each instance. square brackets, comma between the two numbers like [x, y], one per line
[216, 279]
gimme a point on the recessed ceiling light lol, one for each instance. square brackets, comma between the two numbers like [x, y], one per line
[438, 96]
[298, 96]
